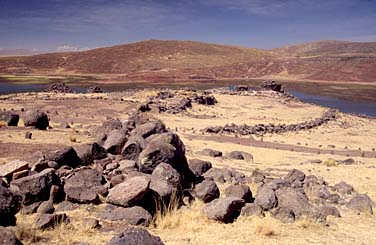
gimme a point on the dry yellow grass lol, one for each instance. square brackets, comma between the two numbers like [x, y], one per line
[189, 226]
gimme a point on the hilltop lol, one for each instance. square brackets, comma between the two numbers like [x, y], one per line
[156, 59]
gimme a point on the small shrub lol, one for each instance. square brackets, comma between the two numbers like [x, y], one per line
[72, 138]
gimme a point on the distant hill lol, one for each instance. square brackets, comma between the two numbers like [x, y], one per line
[164, 60]
[17, 52]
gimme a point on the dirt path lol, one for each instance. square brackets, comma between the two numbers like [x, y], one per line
[280, 146]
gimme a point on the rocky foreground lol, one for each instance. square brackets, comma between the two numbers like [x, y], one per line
[132, 174]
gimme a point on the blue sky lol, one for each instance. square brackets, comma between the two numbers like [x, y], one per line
[58, 25]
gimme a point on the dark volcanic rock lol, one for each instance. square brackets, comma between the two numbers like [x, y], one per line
[225, 209]
[252, 209]
[7, 237]
[67, 156]
[207, 191]
[135, 236]
[9, 117]
[133, 216]
[239, 191]
[293, 199]
[167, 148]
[165, 181]
[115, 141]
[361, 203]
[10, 204]
[84, 185]
[199, 167]
[37, 119]
[240, 155]
[46, 207]
[45, 221]
[90, 152]
[35, 187]
[210, 153]
[129, 193]
[266, 198]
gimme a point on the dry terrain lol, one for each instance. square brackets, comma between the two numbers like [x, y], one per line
[156, 60]
[348, 136]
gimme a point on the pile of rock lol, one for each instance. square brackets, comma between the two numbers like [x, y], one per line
[261, 129]
[272, 85]
[94, 89]
[136, 166]
[288, 198]
[205, 99]
[59, 88]
[171, 102]
[139, 165]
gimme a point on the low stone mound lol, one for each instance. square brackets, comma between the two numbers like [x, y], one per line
[262, 129]
[59, 88]
[272, 85]
[94, 89]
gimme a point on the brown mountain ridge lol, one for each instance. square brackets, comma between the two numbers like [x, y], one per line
[156, 59]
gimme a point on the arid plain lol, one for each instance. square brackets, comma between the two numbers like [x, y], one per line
[317, 151]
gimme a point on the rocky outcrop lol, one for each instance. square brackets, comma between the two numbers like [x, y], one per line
[225, 209]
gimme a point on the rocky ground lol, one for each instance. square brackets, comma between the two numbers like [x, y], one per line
[163, 170]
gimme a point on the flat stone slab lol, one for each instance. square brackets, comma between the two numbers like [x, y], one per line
[11, 167]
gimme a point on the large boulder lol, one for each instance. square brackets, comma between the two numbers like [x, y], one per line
[149, 128]
[240, 155]
[239, 191]
[130, 193]
[135, 236]
[84, 186]
[45, 221]
[8, 169]
[166, 182]
[210, 152]
[9, 117]
[133, 148]
[266, 198]
[10, 204]
[35, 187]
[199, 167]
[133, 216]
[7, 237]
[37, 119]
[90, 152]
[295, 200]
[361, 203]
[115, 141]
[167, 148]
[225, 209]
[252, 209]
[67, 156]
[206, 191]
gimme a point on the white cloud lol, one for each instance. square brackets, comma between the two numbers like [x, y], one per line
[70, 48]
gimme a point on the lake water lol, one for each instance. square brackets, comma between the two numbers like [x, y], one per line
[347, 106]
